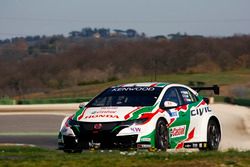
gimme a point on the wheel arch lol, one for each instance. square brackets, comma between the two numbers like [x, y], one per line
[167, 135]
[161, 118]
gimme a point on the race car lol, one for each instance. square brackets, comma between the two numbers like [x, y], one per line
[143, 115]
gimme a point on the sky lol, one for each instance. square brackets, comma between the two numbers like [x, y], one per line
[153, 17]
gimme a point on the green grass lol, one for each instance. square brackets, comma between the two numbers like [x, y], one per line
[223, 79]
[7, 101]
[32, 156]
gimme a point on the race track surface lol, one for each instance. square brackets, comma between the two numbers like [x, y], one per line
[235, 122]
[39, 124]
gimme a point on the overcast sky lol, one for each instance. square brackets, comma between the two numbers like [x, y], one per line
[154, 17]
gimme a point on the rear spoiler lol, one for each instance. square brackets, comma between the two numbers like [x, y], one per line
[215, 88]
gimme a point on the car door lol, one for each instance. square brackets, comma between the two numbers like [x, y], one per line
[181, 129]
[179, 116]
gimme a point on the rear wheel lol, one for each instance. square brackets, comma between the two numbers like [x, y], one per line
[213, 135]
[161, 141]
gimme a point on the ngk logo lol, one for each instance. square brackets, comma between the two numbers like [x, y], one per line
[177, 131]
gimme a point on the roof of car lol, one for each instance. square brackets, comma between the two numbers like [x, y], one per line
[144, 84]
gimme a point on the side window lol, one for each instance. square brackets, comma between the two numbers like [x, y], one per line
[187, 96]
[171, 95]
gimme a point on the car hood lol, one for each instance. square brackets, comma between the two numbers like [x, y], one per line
[106, 114]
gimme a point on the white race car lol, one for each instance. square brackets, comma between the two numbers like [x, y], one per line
[143, 115]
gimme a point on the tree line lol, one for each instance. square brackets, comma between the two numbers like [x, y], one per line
[58, 62]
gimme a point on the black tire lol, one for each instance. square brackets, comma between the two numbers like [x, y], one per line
[161, 136]
[213, 135]
[71, 146]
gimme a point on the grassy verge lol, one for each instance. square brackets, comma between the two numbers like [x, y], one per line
[7, 101]
[228, 81]
[26, 156]
[221, 78]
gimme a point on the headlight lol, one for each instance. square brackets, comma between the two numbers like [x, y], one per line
[73, 126]
[141, 121]
[72, 122]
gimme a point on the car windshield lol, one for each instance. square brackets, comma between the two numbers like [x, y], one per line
[126, 96]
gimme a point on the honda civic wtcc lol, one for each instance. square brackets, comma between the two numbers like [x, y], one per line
[143, 115]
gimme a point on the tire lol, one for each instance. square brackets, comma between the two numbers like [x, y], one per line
[213, 135]
[71, 146]
[161, 136]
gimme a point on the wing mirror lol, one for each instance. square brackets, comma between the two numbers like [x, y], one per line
[206, 100]
[83, 104]
[169, 104]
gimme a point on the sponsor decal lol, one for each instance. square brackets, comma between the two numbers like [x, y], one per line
[101, 116]
[200, 111]
[184, 92]
[125, 89]
[188, 145]
[146, 139]
[135, 129]
[143, 146]
[103, 112]
[177, 131]
[173, 114]
[195, 145]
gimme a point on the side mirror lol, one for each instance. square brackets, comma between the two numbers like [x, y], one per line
[206, 100]
[170, 104]
[83, 104]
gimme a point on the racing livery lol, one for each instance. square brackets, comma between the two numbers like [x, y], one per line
[143, 115]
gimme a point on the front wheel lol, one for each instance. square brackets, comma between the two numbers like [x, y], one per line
[161, 141]
[71, 145]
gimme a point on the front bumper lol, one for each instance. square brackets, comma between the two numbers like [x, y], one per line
[102, 141]
[87, 136]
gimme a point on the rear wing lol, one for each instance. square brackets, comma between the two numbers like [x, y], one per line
[215, 88]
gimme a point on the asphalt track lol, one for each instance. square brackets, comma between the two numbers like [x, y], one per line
[34, 129]
[33, 124]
